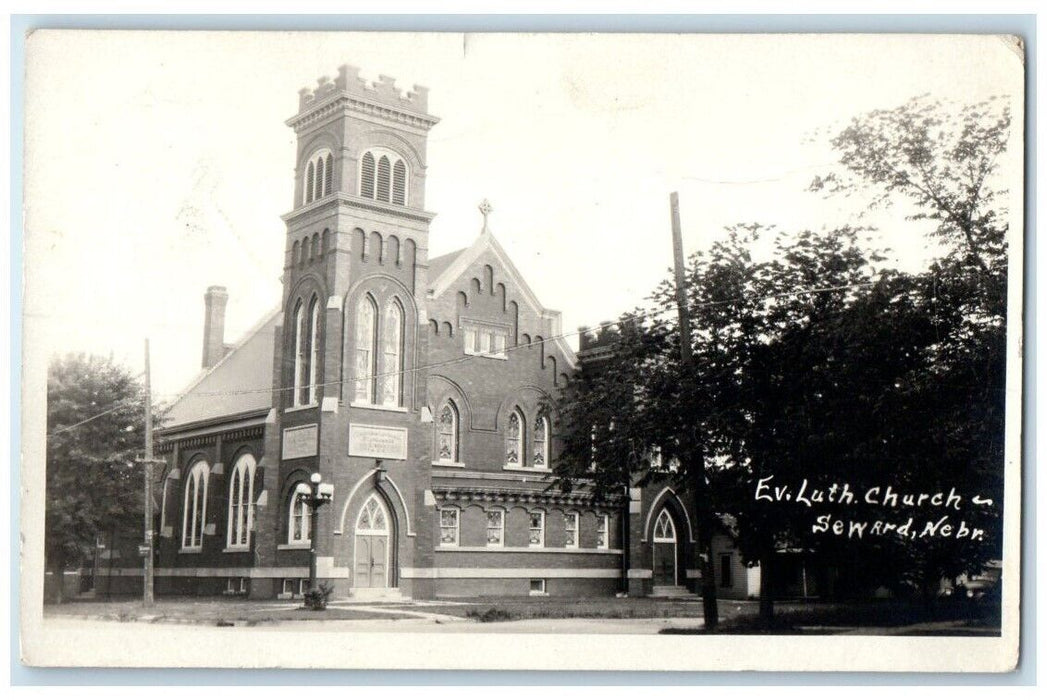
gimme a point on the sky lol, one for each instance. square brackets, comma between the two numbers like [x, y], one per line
[158, 163]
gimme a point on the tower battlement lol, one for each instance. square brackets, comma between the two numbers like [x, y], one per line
[382, 91]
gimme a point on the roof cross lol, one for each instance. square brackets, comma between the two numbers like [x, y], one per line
[485, 209]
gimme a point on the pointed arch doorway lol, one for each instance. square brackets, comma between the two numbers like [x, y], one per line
[663, 545]
[371, 551]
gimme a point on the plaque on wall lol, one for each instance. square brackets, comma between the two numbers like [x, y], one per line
[377, 441]
[299, 441]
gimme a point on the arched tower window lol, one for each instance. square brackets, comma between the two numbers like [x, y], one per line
[194, 511]
[318, 175]
[299, 519]
[366, 327]
[447, 433]
[540, 447]
[383, 176]
[314, 347]
[241, 502]
[390, 383]
[306, 351]
[514, 438]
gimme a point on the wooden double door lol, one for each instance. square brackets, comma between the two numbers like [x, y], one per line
[371, 546]
[663, 544]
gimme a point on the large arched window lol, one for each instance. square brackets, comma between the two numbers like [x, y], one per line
[540, 446]
[241, 502]
[514, 439]
[314, 347]
[383, 176]
[447, 442]
[299, 516]
[318, 177]
[390, 381]
[366, 327]
[306, 351]
[194, 510]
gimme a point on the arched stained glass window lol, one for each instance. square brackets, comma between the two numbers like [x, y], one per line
[301, 354]
[241, 502]
[194, 511]
[299, 521]
[363, 366]
[447, 433]
[514, 438]
[540, 449]
[373, 519]
[390, 380]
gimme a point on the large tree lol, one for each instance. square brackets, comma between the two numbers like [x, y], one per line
[95, 429]
[814, 364]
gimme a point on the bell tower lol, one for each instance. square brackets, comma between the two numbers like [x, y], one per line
[347, 399]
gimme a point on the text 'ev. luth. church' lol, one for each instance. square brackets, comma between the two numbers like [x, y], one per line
[422, 390]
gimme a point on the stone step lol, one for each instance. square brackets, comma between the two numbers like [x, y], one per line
[375, 594]
[672, 592]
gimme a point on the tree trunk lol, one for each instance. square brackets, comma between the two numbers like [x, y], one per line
[767, 587]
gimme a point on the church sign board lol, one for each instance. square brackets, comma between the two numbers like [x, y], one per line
[377, 441]
[300, 441]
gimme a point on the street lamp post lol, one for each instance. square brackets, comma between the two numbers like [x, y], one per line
[319, 494]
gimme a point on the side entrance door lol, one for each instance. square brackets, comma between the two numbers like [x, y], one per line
[371, 558]
[664, 546]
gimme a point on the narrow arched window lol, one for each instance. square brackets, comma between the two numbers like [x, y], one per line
[447, 433]
[390, 381]
[314, 348]
[366, 316]
[320, 172]
[382, 180]
[514, 438]
[367, 176]
[329, 167]
[194, 510]
[306, 324]
[399, 183]
[299, 519]
[241, 502]
[310, 176]
[540, 446]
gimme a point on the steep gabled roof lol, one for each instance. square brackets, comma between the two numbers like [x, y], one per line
[445, 270]
[241, 382]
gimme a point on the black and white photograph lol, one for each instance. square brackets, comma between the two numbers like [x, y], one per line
[378, 350]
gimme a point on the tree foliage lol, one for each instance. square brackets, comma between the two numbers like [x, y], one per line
[95, 430]
[817, 363]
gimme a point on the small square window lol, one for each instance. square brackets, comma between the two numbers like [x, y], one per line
[288, 587]
[537, 586]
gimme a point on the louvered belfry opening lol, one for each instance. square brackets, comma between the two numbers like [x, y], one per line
[399, 183]
[367, 176]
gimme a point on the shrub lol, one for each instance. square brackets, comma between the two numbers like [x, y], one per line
[316, 599]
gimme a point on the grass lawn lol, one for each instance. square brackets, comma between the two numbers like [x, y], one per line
[218, 611]
[502, 608]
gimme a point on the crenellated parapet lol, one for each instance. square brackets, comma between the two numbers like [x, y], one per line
[379, 94]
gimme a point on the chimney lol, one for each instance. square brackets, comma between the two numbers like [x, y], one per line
[214, 325]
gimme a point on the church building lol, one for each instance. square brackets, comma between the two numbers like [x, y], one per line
[416, 395]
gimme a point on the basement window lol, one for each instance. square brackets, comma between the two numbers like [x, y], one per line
[538, 587]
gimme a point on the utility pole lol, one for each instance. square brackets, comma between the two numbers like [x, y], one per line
[695, 459]
[147, 584]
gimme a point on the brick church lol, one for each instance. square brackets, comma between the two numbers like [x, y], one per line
[417, 393]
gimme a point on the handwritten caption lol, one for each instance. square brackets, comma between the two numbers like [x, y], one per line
[916, 526]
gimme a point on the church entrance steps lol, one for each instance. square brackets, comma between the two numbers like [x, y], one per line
[672, 592]
[376, 595]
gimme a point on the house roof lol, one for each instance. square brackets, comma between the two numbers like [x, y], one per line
[445, 270]
[241, 382]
